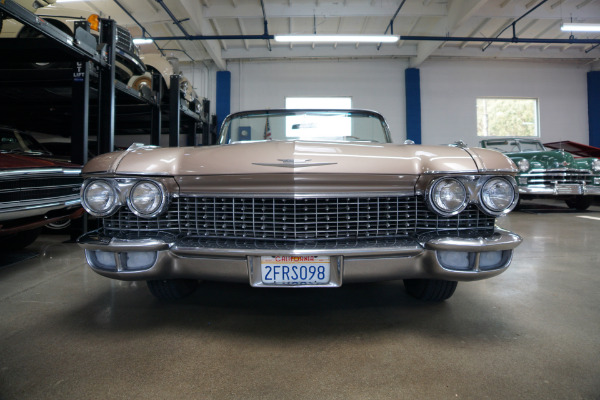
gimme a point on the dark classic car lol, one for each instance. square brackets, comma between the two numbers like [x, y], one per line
[128, 62]
[34, 192]
[545, 173]
[300, 198]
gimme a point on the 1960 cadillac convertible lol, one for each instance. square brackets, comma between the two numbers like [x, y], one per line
[300, 198]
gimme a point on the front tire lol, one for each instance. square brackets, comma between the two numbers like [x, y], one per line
[580, 203]
[430, 289]
[172, 289]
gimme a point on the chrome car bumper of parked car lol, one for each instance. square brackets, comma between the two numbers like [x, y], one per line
[449, 258]
[31, 208]
[560, 189]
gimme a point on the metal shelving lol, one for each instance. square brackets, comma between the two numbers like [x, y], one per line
[62, 84]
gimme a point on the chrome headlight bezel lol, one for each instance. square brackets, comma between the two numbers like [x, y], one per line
[113, 205]
[161, 194]
[523, 165]
[490, 209]
[433, 202]
[596, 165]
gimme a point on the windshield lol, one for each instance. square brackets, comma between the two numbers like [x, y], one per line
[514, 146]
[13, 142]
[314, 125]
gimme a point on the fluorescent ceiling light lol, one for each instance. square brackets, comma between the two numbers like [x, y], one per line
[580, 27]
[337, 38]
[142, 40]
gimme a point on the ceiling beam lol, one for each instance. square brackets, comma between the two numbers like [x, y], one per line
[326, 10]
[458, 13]
[201, 25]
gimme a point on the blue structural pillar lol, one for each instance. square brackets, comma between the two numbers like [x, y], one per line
[593, 85]
[412, 78]
[223, 96]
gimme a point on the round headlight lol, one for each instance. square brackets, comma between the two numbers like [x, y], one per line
[596, 165]
[497, 196]
[99, 198]
[448, 196]
[146, 199]
[523, 165]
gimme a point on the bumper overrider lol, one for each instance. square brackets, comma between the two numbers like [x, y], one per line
[454, 258]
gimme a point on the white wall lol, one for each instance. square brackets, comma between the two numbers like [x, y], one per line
[449, 89]
[373, 84]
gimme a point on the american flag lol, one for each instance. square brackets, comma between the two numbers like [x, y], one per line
[267, 130]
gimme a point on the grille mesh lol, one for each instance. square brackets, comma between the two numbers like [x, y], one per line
[285, 219]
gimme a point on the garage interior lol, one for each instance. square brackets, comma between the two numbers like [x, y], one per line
[531, 332]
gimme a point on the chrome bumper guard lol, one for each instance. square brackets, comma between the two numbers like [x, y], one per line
[450, 258]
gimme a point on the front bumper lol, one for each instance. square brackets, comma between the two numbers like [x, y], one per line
[433, 258]
[560, 190]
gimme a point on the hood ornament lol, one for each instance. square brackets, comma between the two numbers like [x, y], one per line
[294, 163]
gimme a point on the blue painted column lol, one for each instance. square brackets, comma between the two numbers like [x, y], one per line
[412, 78]
[593, 86]
[223, 106]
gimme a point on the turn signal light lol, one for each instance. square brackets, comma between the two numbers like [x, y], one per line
[94, 21]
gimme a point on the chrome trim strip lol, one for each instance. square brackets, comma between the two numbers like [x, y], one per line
[38, 171]
[397, 193]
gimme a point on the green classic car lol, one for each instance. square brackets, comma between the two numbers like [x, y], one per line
[545, 173]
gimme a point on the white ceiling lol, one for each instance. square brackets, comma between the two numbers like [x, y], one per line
[455, 18]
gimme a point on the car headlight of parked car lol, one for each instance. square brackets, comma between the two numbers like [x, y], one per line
[147, 199]
[523, 165]
[100, 198]
[447, 196]
[497, 196]
[596, 165]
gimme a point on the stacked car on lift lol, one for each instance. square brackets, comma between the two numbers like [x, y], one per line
[55, 82]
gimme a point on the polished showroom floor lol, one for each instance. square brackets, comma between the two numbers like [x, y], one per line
[530, 333]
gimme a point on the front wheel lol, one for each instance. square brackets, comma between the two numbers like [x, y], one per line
[172, 289]
[579, 202]
[430, 289]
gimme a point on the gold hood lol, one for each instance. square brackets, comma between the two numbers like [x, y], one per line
[279, 157]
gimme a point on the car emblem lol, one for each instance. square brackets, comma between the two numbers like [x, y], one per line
[565, 163]
[293, 163]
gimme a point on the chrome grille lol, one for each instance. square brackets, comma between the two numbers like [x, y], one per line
[563, 177]
[38, 187]
[288, 219]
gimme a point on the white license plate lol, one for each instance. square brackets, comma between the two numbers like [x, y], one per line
[295, 270]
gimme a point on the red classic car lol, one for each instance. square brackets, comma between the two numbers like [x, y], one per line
[34, 192]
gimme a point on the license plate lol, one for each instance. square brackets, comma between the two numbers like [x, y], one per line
[295, 270]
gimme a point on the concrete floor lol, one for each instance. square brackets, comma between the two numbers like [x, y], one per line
[530, 333]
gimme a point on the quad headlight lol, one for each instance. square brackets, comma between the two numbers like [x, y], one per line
[147, 199]
[596, 165]
[447, 196]
[100, 198]
[497, 196]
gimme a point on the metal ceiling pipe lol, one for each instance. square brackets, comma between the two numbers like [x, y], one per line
[215, 37]
[175, 20]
